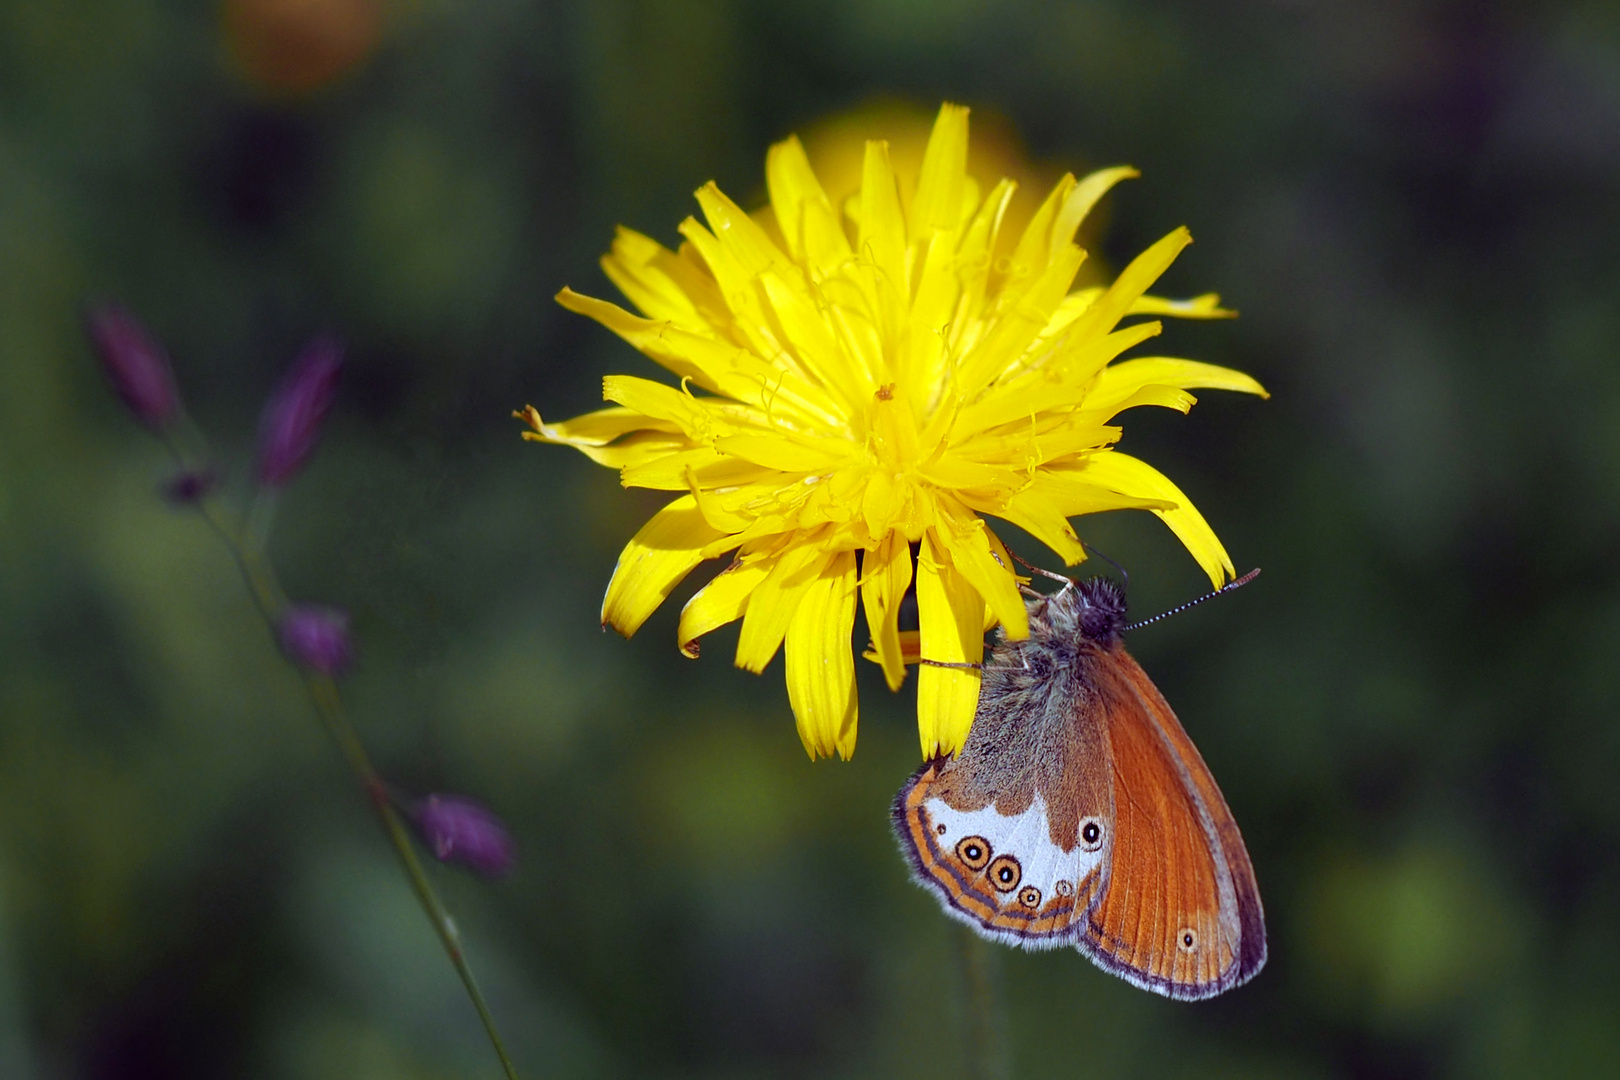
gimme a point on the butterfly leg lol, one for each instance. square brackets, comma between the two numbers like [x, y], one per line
[1043, 571]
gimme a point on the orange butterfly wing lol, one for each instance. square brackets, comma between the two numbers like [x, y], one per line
[1180, 911]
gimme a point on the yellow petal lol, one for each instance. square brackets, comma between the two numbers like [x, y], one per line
[1119, 381]
[687, 268]
[1070, 492]
[1165, 397]
[831, 502]
[738, 251]
[813, 340]
[1074, 305]
[1059, 388]
[591, 429]
[885, 576]
[820, 665]
[910, 648]
[893, 429]
[938, 201]
[1003, 558]
[666, 403]
[1132, 476]
[975, 262]
[937, 292]
[714, 510]
[634, 266]
[1207, 306]
[1132, 282]
[715, 365]
[769, 526]
[977, 556]
[1044, 521]
[1079, 203]
[640, 450]
[921, 353]
[881, 502]
[741, 235]
[1043, 507]
[792, 185]
[1050, 437]
[955, 471]
[1020, 324]
[656, 558]
[803, 455]
[707, 467]
[807, 218]
[1080, 434]
[1035, 248]
[644, 334]
[950, 614]
[882, 233]
[770, 608]
[722, 600]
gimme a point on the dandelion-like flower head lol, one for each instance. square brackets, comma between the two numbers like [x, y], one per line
[855, 382]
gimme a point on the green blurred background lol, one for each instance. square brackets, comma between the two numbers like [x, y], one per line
[1412, 713]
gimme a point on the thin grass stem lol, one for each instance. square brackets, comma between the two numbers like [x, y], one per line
[324, 692]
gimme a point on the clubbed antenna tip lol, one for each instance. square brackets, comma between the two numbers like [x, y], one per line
[1228, 587]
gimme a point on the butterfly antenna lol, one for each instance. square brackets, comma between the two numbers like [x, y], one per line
[1228, 587]
[1123, 573]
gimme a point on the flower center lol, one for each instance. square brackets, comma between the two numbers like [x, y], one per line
[893, 443]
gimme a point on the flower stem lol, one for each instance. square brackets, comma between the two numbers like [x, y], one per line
[245, 547]
[987, 1052]
[329, 705]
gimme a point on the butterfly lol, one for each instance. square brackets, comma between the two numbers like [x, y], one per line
[1079, 813]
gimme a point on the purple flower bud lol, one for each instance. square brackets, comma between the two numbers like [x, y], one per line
[293, 417]
[316, 638]
[135, 365]
[190, 486]
[460, 830]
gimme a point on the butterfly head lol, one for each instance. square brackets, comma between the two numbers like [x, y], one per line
[1093, 610]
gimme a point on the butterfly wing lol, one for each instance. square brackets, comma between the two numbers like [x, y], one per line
[1000, 873]
[1179, 911]
[1010, 835]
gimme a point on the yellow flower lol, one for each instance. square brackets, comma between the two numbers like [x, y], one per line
[853, 384]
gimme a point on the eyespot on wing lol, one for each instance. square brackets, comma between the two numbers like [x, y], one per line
[996, 909]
